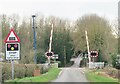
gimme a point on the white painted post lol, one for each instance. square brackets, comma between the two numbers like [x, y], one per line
[50, 43]
[88, 47]
[51, 39]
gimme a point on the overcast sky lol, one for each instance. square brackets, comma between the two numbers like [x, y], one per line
[70, 9]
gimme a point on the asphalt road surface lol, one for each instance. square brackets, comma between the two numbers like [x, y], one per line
[72, 74]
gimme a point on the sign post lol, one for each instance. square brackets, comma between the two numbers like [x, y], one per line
[12, 61]
[93, 55]
[12, 45]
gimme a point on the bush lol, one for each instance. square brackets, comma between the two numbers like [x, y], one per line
[29, 68]
[21, 70]
[44, 69]
[6, 71]
[115, 62]
[112, 72]
[41, 59]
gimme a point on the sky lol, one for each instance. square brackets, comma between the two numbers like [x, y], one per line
[67, 9]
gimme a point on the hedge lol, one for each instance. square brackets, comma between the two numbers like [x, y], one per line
[21, 70]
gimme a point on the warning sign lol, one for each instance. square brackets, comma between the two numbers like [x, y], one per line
[12, 37]
[12, 46]
[12, 51]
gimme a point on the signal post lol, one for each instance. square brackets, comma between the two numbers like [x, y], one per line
[12, 48]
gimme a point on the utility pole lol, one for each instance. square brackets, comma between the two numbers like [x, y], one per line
[34, 27]
[88, 47]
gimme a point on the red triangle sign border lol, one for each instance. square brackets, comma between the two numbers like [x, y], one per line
[18, 40]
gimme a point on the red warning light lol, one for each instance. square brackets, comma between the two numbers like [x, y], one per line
[9, 46]
[15, 46]
[12, 47]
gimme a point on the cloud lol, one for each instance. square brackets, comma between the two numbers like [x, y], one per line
[71, 9]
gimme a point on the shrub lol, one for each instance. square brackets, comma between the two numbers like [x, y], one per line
[6, 71]
[29, 68]
[41, 59]
[115, 62]
[21, 70]
[44, 69]
[112, 72]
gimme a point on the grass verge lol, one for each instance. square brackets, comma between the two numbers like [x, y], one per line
[50, 75]
[93, 76]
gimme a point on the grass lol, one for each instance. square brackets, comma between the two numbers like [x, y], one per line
[94, 77]
[49, 76]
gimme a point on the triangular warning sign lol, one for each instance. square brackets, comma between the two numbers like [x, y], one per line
[12, 37]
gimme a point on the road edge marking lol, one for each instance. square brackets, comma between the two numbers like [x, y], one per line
[59, 73]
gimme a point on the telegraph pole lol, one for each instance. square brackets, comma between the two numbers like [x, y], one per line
[34, 27]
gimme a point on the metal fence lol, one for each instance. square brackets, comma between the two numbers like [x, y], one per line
[96, 65]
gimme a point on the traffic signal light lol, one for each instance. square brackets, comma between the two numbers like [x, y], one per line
[12, 47]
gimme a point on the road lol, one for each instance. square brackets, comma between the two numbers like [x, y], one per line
[72, 74]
